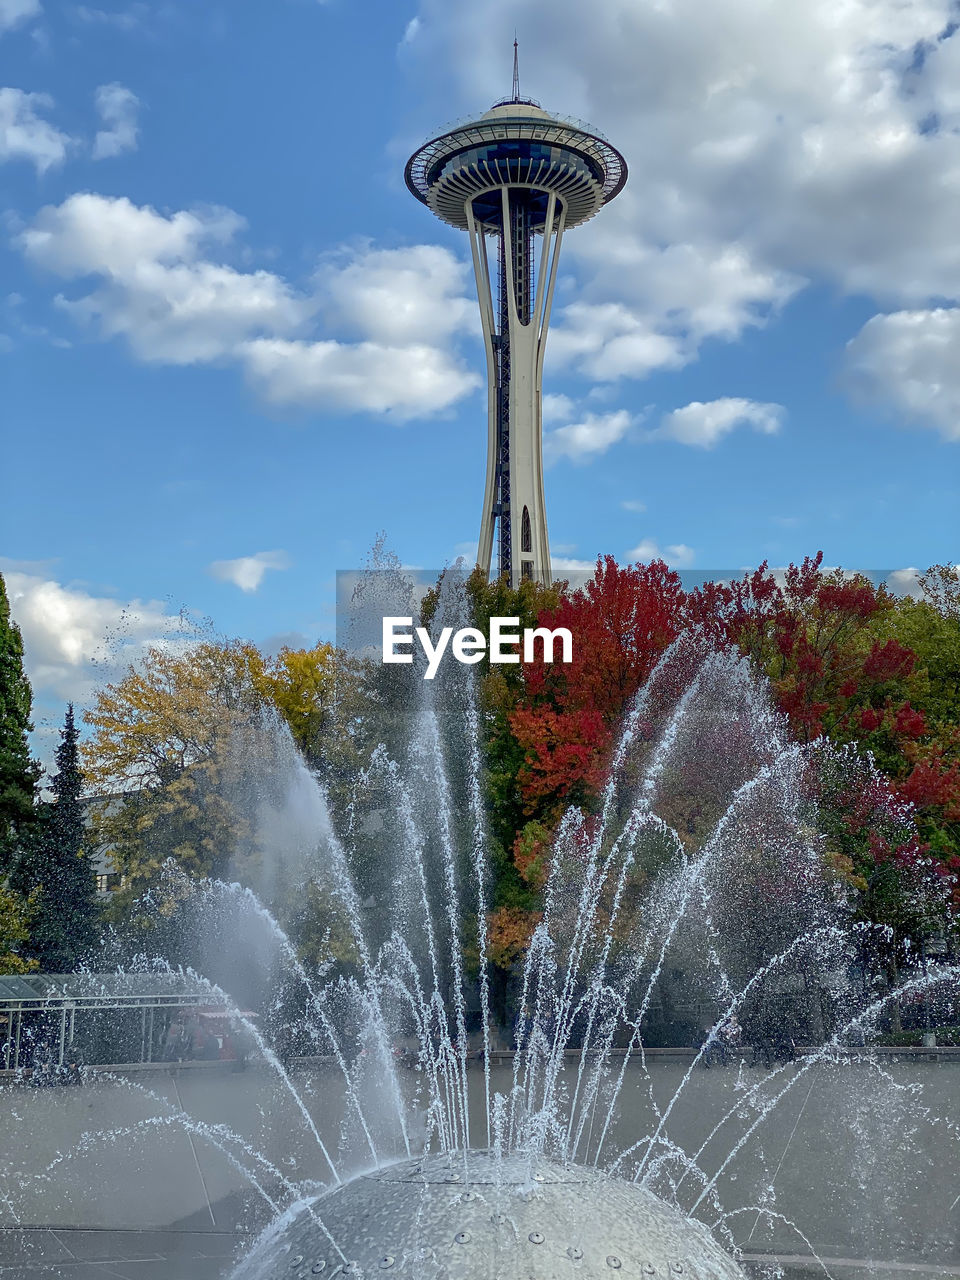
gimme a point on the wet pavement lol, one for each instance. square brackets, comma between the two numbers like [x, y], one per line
[110, 1181]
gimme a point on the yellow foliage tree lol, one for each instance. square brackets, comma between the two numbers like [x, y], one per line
[509, 932]
[300, 683]
[169, 715]
[14, 931]
[163, 755]
[157, 755]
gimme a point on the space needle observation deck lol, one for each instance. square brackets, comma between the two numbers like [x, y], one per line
[515, 174]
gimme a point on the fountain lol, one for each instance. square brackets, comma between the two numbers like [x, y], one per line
[451, 1156]
[513, 1216]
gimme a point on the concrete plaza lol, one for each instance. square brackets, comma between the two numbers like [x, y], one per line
[133, 1176]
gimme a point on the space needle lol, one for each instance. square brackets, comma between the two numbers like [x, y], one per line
[515, 173]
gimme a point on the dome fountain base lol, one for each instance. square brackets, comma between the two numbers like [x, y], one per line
[475, 1215]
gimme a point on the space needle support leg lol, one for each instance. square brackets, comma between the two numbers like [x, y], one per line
[481, 271]
[544, 259]
[510, 333]
[548, 292]
[508, 255]
[549, 254]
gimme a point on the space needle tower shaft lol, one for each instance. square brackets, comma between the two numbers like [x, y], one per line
[521, 177]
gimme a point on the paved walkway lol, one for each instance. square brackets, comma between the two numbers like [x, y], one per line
[42, 1254]
[148, 1197]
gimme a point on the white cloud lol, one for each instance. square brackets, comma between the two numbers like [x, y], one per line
[646, 549]
[15, 12]
[665, 300]
[118, 108]
[905, 582]
[402, 381]
[610, 340]
[769, 145]
[909, 361]
[399, 297]
[72, 639]
[247, 572]
[24, 134]
[170, 303]
[159, 287]
[111, 236]
[703, 424]
[589, 438]
[630, 504]
[570, 565]
[557, 408]
[677, 555]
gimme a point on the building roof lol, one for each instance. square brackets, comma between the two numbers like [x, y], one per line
[106, 990]
[513, 108]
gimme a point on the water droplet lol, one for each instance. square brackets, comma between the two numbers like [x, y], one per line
[318, 1266]
[296, 1261]
[467, 1197]
[462, 1237]
[574, 1253]
[677, 1266]
[387, 1261]
[614, 1262]
[538, 1177]
[535, 1237]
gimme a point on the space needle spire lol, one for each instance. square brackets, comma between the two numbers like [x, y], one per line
[515, 175]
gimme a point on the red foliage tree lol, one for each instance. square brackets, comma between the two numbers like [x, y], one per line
[811, 635]
[814, 636]
[621, 622]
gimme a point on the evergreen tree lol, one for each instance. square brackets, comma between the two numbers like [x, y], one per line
[55, 869]
[18, 772]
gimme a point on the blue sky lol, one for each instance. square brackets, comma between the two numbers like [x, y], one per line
[233, 348]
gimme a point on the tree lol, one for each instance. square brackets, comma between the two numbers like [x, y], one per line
[503, 690]
[813, 635]
[550, 726]
[941, 589]
[920, 747]
[621, 622]
[301, 684]
[849, 662]
[158, 757]
[14, 933]
[54, 873]
[514, 897]
[180, 750]
[19, 773]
